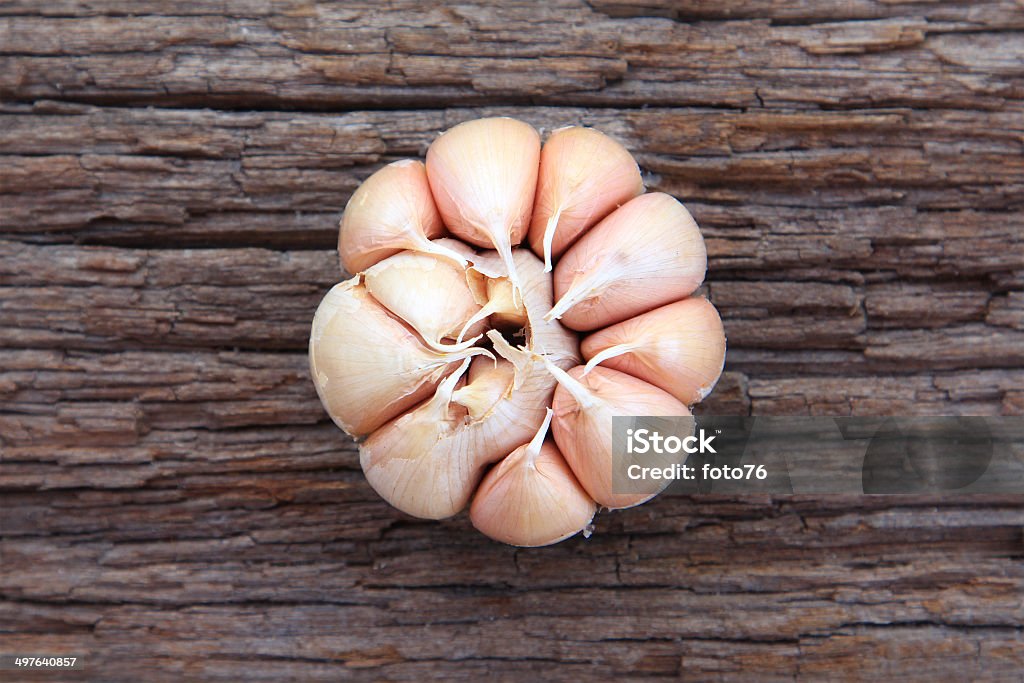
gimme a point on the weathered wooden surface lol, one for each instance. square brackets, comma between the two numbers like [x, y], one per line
[175, 504]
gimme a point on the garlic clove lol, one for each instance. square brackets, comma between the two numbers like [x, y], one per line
[428, 292]
[584, 406]
[647, 253]
[679, 348]
[483, 176]
[488, 382]
[391, 211]
[531, 498]
[503, 307]
[509, 311]
[366, 364]
[584, 175]
[402, 463]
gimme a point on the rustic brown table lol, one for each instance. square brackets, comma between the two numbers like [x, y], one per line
[175, 506]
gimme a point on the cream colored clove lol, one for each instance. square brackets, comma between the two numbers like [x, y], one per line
[391, 211]
[584, 176]
[483, 176]
[532, 498]
[647, 253]
[679, 347]
[584, 407]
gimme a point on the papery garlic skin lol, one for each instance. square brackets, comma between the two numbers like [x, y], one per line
[429, 292]
[679, 347]
[403, 464]
[584, 176]
[647, 253]
[391, 211]
[362, 356]
[584, 406]
[483, 176]
[531, 498]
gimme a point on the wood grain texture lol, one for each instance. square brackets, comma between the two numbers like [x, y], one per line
[174, 504]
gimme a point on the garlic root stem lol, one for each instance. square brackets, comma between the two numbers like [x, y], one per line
[502, 243]
[583, 286]
[533, 448]
[459, 345]
[585, 398]
[486, 310]
[425, 245]
[549, 238]
[610, 352]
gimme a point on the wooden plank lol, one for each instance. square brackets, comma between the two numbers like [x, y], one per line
[568, 51]
[752, 179]
[175, 503]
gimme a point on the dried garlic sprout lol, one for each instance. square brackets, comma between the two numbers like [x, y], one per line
[453, 351]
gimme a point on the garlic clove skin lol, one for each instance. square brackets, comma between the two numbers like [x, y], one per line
[461, 249]
[403, 464]
[584, 175]
[360, 355]
[483, 176]
[487, 263]
[647, 253]
[391, 211]
[584, 406]
[531, 498]
[428, 292]
[679, 348]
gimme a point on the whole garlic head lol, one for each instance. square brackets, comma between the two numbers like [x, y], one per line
[453, 350]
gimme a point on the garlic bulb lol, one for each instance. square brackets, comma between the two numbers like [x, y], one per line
[647, 253]
[584, 175]
[531, 498]
[451, 356]
[391, 211]
[679, 348]
[483, 175]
